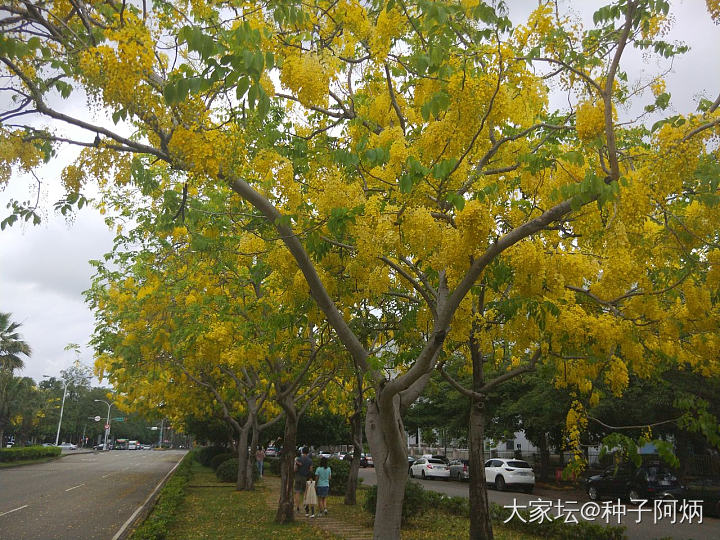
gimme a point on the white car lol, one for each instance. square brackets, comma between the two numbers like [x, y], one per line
[68, 446]
[503, 473]
[430, 468]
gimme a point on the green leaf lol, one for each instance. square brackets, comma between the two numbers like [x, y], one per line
[405, 183]
[574, 157]
[443, 169]
[242, 86]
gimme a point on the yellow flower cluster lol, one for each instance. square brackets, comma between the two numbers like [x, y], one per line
[354, 17]
[202, 151]
[713, 7]
[475, 222]
[616, 376]
[654, 26]
[118, 69]
[306, 75]
[590, 120]
[422, 232]
[389, 25]
[657, 87]
[575, 423]
[16, 152]
[539, 25]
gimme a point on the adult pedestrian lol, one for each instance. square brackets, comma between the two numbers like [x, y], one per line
[303, 471]
[259, 459]
[323, 474]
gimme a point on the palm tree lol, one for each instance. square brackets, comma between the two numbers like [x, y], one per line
[11, 345]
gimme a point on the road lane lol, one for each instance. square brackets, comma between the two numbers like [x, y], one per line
[80, 496]
[709, 529]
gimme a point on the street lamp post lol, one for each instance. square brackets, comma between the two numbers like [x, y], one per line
[107, 423]
[62, 408]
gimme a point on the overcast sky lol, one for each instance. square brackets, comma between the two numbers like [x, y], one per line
[44, 269]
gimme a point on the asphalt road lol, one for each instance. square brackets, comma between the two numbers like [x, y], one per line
[80, 496]
[648, 528]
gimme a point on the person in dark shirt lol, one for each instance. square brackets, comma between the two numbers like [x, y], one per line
[303, 471]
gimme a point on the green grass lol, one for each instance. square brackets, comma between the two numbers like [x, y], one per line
[212, 509]
[434, 524]
[216, 510]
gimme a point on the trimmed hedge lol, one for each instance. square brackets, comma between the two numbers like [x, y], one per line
[219, 460]
[339, 476]
[171, 497]
[206, 453]
[338, 479]
[28, 452]
[418, 501]
[228, 471]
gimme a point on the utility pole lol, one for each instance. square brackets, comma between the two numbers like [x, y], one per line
[62, 408]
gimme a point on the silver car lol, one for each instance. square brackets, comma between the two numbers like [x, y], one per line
[430, 468]
[459, 469]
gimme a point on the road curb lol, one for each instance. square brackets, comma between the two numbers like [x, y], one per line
[144, 509]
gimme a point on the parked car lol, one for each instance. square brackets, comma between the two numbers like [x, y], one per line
[68, 446]
[429, 468]
[442, 458]
[271, 451]
[459, 469]
[411, 460]
[503, 473]
[325, 454]
[369, 461]
[625, 481]
[363, 459]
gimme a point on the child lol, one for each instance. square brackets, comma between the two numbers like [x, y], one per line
[323, 474]
[310, 498]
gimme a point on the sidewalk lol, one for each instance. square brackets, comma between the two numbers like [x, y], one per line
[341, 529]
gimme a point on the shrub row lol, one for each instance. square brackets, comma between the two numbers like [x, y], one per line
[205, 454]
[227, 471]
[338, 479]
[28, 452]
[171, 496]
[218, 460]
[418, 501]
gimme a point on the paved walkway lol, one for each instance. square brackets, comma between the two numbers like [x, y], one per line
[342, 529]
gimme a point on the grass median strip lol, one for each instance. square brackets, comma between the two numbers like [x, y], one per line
[202, 512]
[226, 514]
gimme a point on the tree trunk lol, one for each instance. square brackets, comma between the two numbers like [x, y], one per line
[356, 430]
[388, 443]
[242, 479]
[544, 458]
[480, 524]
[252, 462]
[286, 512]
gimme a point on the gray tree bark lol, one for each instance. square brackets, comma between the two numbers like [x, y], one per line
[286, 512]
[387, 440]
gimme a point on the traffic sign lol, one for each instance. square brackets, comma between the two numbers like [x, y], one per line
[107, 426]
[97, 418]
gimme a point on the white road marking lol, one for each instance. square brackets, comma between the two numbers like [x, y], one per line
[74, 487]
[14, 510]
[106, 475]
